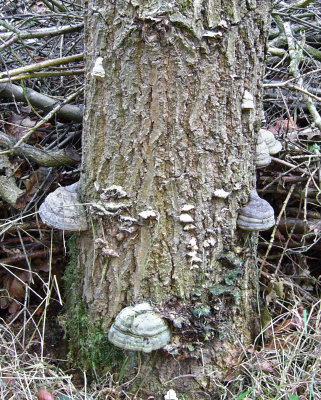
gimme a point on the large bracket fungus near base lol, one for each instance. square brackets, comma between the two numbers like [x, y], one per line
[139, 328]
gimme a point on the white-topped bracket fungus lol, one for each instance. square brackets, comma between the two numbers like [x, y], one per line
[170, 395]
[139, 328]
[247, 101]
[262, 155]
[273, 145]
[257, 215]
[63, 210]
[98, 71]
[186, 219]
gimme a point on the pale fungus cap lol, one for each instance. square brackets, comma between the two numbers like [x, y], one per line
[98, 70]
[273, 145]
[139, 328]
[170, 395]
[257, 215]
[247, 101]
[262, 154]
[62, 210]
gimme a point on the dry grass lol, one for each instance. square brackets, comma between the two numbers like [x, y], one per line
[288, 364]
[23, 374]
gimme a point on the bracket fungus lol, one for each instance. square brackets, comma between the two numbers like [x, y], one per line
[257, 215]
[63, 210]
[186, 219]
[170, 395]
[273, 145]
[98, 70]
[262, 154]
[139, 328]
[247, 101]
[148, 214]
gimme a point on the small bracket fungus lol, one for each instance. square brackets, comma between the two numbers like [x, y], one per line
[247, 101]
[273, 145]
[257, 215]
[262, 155]
[139, 328]
[148, 214]
[187, 208]
[170, 395]
[98, 71]
[189, 227]
[62, 210]
[221, 193]
[186, 219]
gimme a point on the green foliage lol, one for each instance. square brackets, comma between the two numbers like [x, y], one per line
[314, 148]
[87, 343]
[243, 395]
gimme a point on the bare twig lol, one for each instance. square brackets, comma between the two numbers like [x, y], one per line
[42, 64]
[43, 75]
[37, 33]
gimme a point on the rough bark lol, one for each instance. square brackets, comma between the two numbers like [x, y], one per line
[166, 125]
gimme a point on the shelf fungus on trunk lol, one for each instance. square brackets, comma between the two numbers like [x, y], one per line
[257, 215]
[139, 328]
[273, 145]
[63, 210]
[247, 101]
[262, 154]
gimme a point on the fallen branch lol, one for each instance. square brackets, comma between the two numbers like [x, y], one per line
[35, 254]
[68, 112]
[43, 157]
[11, 193]
[46, 118]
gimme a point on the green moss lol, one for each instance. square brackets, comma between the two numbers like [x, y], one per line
[88, 346]
[201, 310]
[218, 290]
[185, 4]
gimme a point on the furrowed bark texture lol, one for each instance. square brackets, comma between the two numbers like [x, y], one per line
[166, 125]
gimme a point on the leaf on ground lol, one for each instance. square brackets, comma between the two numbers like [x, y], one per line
[18, 126]
[285, 125]
[265, 366]
[14, 287]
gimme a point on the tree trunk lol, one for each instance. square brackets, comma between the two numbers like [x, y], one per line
[164, 124]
